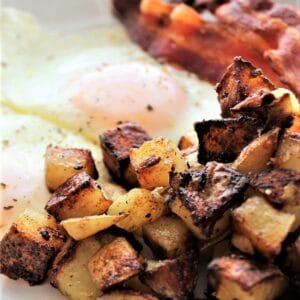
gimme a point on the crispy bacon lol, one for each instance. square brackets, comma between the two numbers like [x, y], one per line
[261, 32]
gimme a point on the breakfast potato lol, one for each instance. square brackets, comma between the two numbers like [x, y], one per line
[70, 272]
[154, 160]
[203, 198]
[242, 243]
[288, 152]
[223, 140]
[114, 263]
[141, 206]
[127, 295]
[188, 141]
[265, 226]
[257, 154]
[168, 237]
[82, 228]
[173, 278]
[240, 278]
[79, 196]
[63, 163]
[116, 145]
[30, 246]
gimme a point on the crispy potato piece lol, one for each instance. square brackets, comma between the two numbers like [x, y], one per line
[63, 163]
[114, 263]
[79, 196]
[127, 295]
[29, 247]
[223, 140]
[141, 206]
[242, 243]
[288, 152]
[189, 141]
[168, 237]
[82, 228]
[257, 154]
[240, 81]
[240, 278]
[173, 278]
[70, 271]
[203, 198]
[154, 160]
[116, 145]
[265, 226]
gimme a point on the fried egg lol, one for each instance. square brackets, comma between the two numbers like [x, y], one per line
[91, 81]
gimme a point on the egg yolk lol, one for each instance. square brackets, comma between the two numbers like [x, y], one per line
[129, 92]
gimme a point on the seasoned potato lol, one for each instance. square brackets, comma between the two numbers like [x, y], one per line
[223, 140]
[173, 278]
[127, 295]
[239, 278]
[288, 152]
[79, 196]
[168, 237]
[257, 154]
[82, 228]
[141, 206]
[154, 160]
[70, 270]
[116, 145]
[30, 246]
[63, 163]
[242, 243]
[189, 141]
[203, 198]
[114, 263]
[265, 226]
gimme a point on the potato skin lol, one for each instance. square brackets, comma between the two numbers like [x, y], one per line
[116, 145]
[114, 263]
[173, 278]
[79, 196]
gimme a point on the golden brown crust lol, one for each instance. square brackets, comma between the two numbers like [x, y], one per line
[223, 140]
[173, 278]
[116, 145]
[79, 196]
[114, 263]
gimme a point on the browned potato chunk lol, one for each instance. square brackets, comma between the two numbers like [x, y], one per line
[188, 141]
[173, 278]
[288, 152]
[168, 237]
[114, 263]
[29, 247]
[242, 243]
[239, 278]
[70, 272]
[241, 80]
[116, 145]
[154, 160]
[203, 198]
[63, 163]
[223, 140]
[127, 295]
[265, 226]
[79, 196]
[257, 154]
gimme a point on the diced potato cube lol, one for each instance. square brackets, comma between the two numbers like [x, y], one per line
[141, 206]
[173, 278]
[239, 278]
[79, 196]
[189, 141]
[63, 163]
[242, 243]
[203, 198]
[257, 154]
[30, 246]
[265, 226]
[116, 145]
[114, 263]
[168, 237]
[127, 295]
[70, 272]
[82, 228]
[154, 160]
